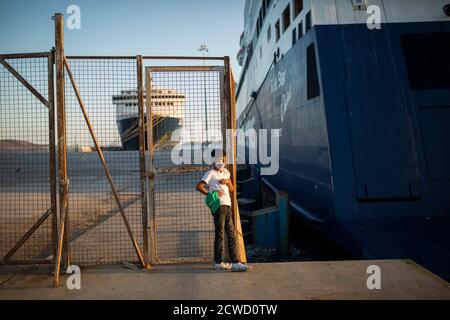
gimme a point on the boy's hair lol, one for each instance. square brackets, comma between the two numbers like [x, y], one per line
[218, 152]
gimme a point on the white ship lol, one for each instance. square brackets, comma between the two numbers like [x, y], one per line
[167, 115]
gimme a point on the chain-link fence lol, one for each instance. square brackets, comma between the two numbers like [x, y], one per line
[96, 230]
[136, 140]
[187, 100]
[27, 177]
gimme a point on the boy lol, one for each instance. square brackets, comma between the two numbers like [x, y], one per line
[218, 179]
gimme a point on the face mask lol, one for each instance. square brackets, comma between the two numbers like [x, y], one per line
[219, 165]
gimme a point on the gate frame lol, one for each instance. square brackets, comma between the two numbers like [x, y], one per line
[154, 260]
[228, 121]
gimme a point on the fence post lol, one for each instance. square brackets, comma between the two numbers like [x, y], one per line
[229, 87]
[52, 152]
[143, 170]
[151, 167]
[62, 147]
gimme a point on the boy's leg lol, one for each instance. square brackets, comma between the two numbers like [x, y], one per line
[231, 236]
[219, 226]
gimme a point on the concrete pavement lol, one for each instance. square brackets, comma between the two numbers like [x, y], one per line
[293, 280]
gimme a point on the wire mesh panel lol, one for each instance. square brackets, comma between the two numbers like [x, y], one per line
[26, 210]
[186, 124]
[108, 88]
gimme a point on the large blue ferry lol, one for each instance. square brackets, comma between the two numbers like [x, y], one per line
[364, 113]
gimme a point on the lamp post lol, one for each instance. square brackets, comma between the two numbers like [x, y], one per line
[203, 48]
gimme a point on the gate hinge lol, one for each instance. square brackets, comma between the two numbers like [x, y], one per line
[64, 183]
[150, 174]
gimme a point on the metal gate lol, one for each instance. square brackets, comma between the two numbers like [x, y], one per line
[187, 109]
[28, 213]
[132, 171]
[106, 182]
[124, 144]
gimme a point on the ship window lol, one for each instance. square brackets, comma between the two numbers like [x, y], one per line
[427, 57]
[294, 36]
[250, 50]
[257, 28]
[277, 31]
[260, 22]
[313, 88]
[277, 53]
[298, 7]
[286, 17]
[308, 21]
[300, 29]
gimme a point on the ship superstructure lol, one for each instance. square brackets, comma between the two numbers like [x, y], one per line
[167, 115]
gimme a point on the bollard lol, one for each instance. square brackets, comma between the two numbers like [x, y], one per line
[271, 226]
[283, 219]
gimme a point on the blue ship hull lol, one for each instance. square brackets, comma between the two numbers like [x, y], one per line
[366, 158]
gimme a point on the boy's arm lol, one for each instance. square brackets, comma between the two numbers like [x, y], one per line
[201, 186]
[230, 185]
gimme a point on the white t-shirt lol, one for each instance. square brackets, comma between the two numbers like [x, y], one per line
[212, 179]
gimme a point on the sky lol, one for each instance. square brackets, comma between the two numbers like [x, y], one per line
[113, 27]
[126, 27]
